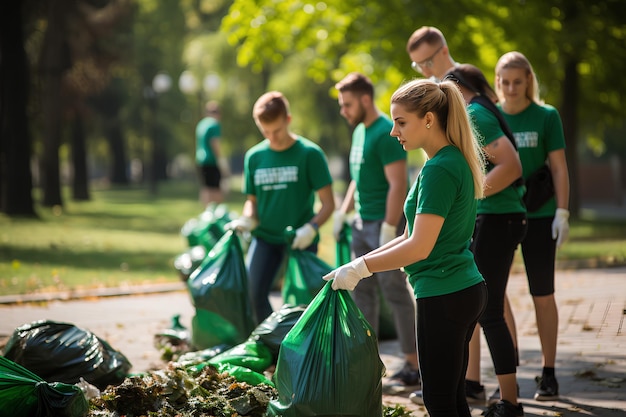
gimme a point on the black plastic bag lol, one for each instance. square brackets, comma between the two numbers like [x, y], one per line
[24, 394]
[539, 188]
[329, 363]
[219, 290]
[62, 352]
[273, 329]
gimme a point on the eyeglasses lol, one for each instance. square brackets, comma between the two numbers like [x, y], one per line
[427, 63]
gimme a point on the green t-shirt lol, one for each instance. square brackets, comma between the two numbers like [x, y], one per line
[444, 187]
[284, 184]
[488, 129]
[207, 130]
[538, 131]
[372, 148]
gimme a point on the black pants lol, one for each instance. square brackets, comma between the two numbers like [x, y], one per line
[444, 328]
[496, 236]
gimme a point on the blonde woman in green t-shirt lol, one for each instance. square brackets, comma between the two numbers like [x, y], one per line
[440, 211]
[540, 141]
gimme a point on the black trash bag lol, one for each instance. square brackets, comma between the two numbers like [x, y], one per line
[62, 352]
[303, 278]
[219, 290]
[329, 364]
[272, 331]
[24, 394]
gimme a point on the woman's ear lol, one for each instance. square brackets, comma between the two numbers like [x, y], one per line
[429, 118]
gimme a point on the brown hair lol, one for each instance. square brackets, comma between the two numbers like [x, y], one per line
[356, 83]
[426, 34]
[445, 101]
[270, 106]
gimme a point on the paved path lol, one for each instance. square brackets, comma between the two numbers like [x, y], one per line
[591, 360]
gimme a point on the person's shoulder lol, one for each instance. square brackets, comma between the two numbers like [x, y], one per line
[307, 143]
[258, 147]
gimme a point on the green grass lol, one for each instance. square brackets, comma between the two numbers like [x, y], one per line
[125, 236]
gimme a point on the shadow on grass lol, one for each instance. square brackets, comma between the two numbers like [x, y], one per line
[91, 259]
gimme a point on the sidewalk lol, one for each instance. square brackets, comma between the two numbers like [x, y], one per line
[591, 359]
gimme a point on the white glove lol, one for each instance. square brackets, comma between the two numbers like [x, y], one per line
[387, 233]
[347, 276]
[560, 226]
[304, 237]
[339, 219]
[242, 224]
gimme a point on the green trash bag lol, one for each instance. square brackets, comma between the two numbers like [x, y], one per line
[329, 363]
[219, 291]
[208, 227]
[24, 394]
[343, 255]
[303, 278]
[251, 354]
[240, 373]
[343, 252]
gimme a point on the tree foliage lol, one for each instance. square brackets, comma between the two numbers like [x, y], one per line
[575, 46]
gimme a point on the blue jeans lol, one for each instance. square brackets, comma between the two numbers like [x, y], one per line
[264, 263]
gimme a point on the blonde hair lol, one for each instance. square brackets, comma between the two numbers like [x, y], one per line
[517, 60]
[445, 101]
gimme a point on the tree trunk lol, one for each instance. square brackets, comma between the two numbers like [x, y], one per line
[118, 152]
[15, 141]
[54, 61]
[80, 179]
[570, 129]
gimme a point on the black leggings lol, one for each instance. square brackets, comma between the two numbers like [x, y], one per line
[496, 236]
[444, 328]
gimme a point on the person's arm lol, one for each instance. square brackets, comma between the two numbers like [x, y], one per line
[249, 207]
[305, 234]
[507, 166]
[347, 204]
[327, 200]
[397, 177]
[560, 178]
[412, 249]
[406, 251]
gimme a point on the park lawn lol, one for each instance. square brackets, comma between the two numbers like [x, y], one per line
[126, 236]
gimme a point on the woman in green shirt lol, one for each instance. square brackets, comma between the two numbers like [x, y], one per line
[440, 210]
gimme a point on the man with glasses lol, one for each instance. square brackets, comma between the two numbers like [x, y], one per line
[429, 53]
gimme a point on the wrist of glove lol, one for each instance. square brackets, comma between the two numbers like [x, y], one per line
[347, 276]
[305, 236]
[339, 219]
[560, 226]
[387, 233]
[242, 224]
